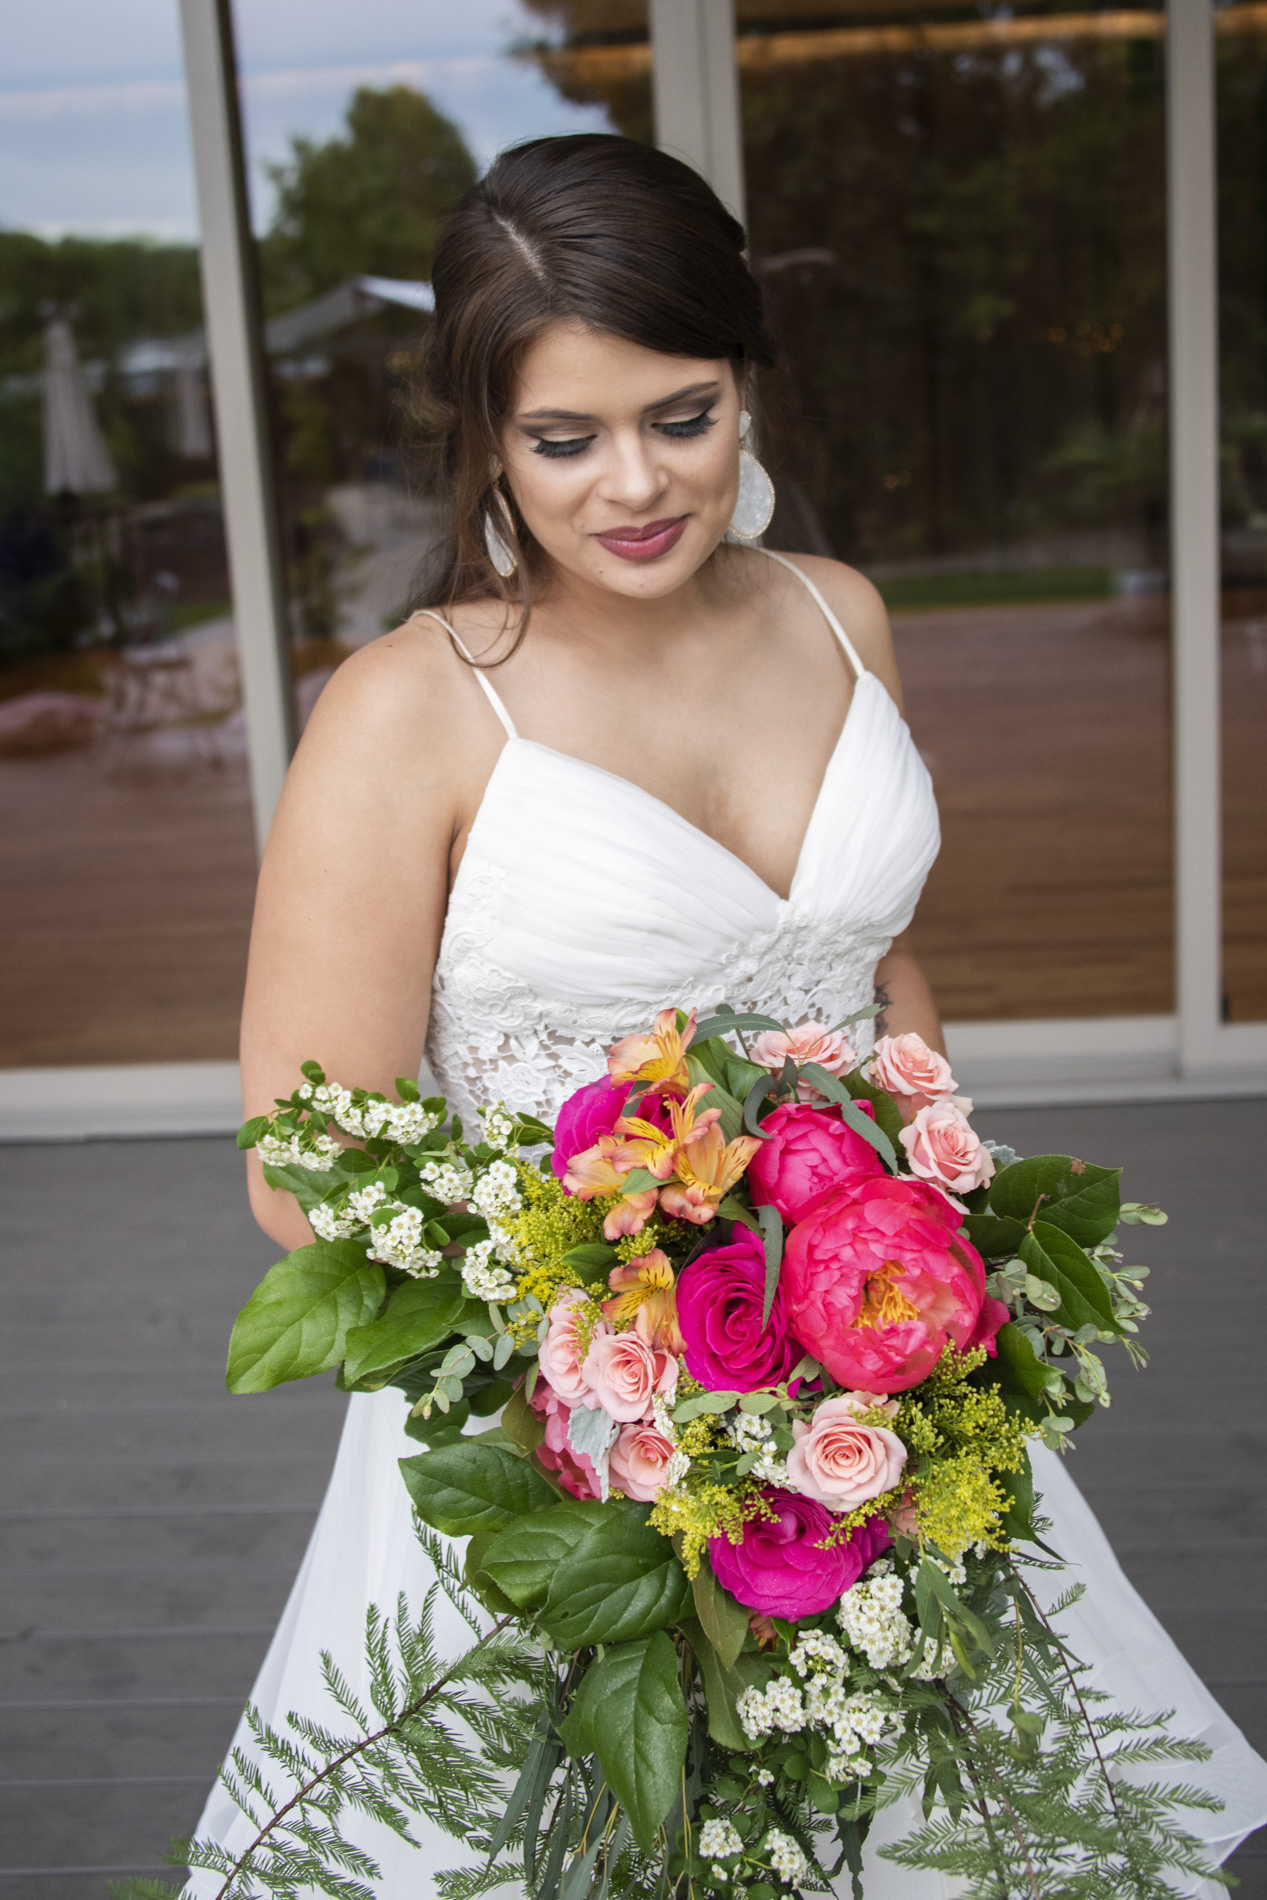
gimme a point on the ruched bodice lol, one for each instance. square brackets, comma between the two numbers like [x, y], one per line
[584, 903]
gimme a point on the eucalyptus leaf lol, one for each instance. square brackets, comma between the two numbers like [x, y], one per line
[727, 1022]
[772, 1236]
[835, 1091]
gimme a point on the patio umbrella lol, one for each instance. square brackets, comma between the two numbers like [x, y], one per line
[76, 459]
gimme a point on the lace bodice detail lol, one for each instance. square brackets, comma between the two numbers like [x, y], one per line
[584, 904]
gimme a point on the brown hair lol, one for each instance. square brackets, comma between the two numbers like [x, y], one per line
[591, 227]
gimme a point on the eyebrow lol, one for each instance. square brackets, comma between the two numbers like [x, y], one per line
[665, 402]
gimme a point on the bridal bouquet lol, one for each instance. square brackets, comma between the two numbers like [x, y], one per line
[769, 1330]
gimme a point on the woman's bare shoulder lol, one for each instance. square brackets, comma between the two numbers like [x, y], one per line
[857, 604]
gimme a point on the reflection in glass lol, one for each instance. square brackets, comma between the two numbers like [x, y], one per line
[127, 861]
[356, 162]
[959, 219]
[1242, 147]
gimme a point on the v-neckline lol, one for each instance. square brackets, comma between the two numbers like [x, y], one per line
[629, 785]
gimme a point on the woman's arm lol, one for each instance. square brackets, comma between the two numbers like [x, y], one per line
[906, 1002]
[354, 882]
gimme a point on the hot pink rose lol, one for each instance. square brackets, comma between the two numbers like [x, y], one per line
[624, 1374]
[808, 1150]
[831, 1049]
[639, 1462]
[877, 1281]
[840, 1461]
[592, 1113]
[562, 1354]
[720, 1298]
[572, 1468]
[783, 1567]
[910, 1070]
[942, 1146]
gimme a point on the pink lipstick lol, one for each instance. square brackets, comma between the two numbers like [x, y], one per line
[644, 544]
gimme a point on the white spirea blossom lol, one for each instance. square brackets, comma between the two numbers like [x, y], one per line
[779, 1705]
[938, 1660]
[398, 1243]
[336, 1102]
[497, 1191]
[410, 1121]
[309, 1150]
[449, 1181]
[717, 1839]
[679, 1464]
[786, 1858]
[872, 1618]
[363, 1201]
[816, 1649]
[764, 1778]
[329, 1224]
[718, 1873]
[499, 1127]
[747, 1430]
[482, 1280]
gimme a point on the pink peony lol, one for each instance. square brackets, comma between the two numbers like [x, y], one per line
[639, 1462]
[719, 1301]
[831, 1049]
[942, 1146]
[782, 1567]
[877, 1282]
[571, 1467]
[840, 1461]
[808, 1150]
[561, 1354]
[624, 1374]
[906, 1067]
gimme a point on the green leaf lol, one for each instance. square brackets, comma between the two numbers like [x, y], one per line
[726, 1022]
[757, 1093]
[629, 1711]
[1084, 1299]
[297, 1320]
[994, 1239]
[521, 1423]
[1017, 1364]
[522, 1559]
[417, 1316]
[1019, 1486]
[731, 1123]
[250, 1132]
[591, 1259]
[733, 1209]
[722, 1689]
[468, 1486]
[887, 1113]
[742, 1076]
[725, 1622]
[308, 1185]
[621, 1582]
[772, 1235]
[835, 1091]
[1080, 1199]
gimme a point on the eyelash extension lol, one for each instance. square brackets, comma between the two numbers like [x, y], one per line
[575, 445]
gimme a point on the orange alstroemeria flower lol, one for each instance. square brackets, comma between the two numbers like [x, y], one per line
[658, 1061]
[601, 1170]
[707, 1169]
[656, 1149]
[645, 1294]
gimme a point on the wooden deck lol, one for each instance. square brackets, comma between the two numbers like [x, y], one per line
[125, 904]
[151, 1525]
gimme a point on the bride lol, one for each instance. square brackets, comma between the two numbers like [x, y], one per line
[625, 760]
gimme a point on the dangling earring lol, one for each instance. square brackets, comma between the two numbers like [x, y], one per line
[754, 505]
[501, 552]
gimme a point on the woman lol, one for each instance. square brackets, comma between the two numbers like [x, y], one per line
[691, 780]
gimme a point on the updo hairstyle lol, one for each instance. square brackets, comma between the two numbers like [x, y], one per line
[592, 228]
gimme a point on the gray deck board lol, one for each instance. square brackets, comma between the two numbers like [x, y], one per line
[150, 1525]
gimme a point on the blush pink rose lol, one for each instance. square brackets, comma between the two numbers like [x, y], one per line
[639, 1462]
[840, 1461]
[558, 1454]
[562, 1354]
[877, 1281]
[624, 1375]
[784, 1565]
[807, 1151]
[942, 1146]
[907, 1068]
[831, 1049]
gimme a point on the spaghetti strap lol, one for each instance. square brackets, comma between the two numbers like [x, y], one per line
[832, 622]
[476, 668]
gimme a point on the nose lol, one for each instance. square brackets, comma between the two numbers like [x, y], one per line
[632, 478]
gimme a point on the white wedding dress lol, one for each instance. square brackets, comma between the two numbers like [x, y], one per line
[582, 905]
